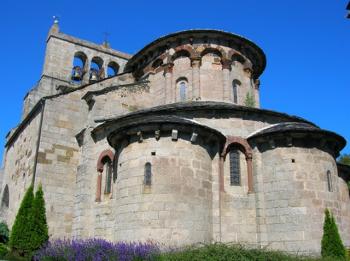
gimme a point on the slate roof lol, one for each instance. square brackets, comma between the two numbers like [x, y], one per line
[298, 127]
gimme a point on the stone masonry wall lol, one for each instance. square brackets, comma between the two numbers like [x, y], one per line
[294, 194]
[238, 217]
[18, 168]
[58, 159]
[176, 208]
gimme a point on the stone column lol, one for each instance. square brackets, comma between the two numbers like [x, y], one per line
[221, 174]
[196, 89]
[98, 187]
[249, 159]
[226, 68]
[86, 71]
[168, 74]
[257, 92]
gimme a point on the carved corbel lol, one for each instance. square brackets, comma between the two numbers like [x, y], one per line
[139, 135]
[194, 137]
[174, 135]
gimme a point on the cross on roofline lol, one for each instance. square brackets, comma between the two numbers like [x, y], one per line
[56, 19]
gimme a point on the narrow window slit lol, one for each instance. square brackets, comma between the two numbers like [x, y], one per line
[235, 175]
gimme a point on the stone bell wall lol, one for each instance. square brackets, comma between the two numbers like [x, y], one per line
[58, 65]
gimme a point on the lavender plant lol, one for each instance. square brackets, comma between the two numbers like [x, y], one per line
[96, 250]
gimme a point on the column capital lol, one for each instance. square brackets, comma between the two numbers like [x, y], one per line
[257, 84]
[226, 64]
[196, 62]
[249, 156]
[249, 71]
[168, 68]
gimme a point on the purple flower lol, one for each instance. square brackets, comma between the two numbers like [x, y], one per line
[96, 250]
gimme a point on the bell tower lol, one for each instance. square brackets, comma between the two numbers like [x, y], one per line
[95, 63]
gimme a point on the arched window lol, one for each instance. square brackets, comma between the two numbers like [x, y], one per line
[96, 72]
[235, 85]
[182, 89]
[329, 181]
[5, 197]
[235, 170]
[104, 173]
[108, 172]
[148, 174]
[112, 69]
[233, 150]
[181, 85]
[79, 61]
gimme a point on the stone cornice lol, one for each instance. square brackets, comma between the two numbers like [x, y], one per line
[344, 171]
[239, 43]
[123, 128]
[298, 134]
[208, 106]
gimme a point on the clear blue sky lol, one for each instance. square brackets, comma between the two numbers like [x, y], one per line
[307, 44]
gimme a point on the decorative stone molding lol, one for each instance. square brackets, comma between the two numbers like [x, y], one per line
[168, 68]
[188, 41]
[106, 153]
[226, 64]
[194, 137]
[188, 48]
[257, 84]
[100, 164]
[245, 148]
[139, 135]
[196, 62]
[174, 135]
[157, 134]
[301, 134]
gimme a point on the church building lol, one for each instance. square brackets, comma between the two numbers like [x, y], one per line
[170, 144]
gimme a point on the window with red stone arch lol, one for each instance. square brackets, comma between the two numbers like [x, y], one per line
[242, 145]
[104, 167]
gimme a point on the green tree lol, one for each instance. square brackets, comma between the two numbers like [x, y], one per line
[20, 236]
[331, 244]
[38, 215]
[249, 100]
[4, 233]
[344, 159]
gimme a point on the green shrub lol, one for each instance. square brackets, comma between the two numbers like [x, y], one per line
[4, 233]
[249, 100]
[16, 257]
[3, 250]
[223, 252]
[331, 244]
[38, 215]
[21, 233]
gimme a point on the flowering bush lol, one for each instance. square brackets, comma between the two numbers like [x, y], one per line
[96, 250]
